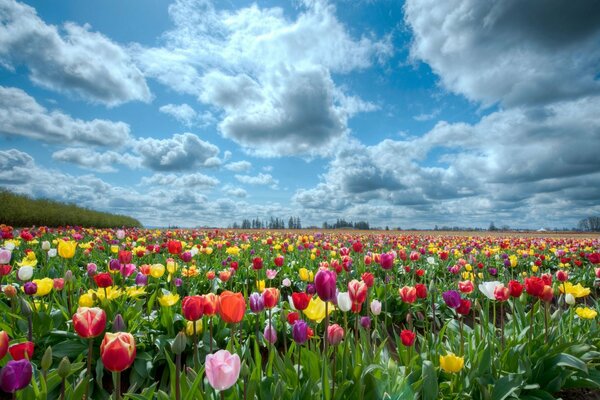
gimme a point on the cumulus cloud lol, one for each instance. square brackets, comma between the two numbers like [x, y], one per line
[234, 191]
[185, 181]
[22, 115]
[271, 76]
[73, 59]
[513, 52]
[96, 161]
[181, 152]
[238, 166]
[260, 179]
[187, 116]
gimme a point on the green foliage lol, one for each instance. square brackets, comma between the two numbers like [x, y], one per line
[20, 210]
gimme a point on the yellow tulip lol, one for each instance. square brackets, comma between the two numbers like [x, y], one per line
[586, 312]
[110, 292]
[114, 249]
[171, 266]
[66, 249]
[316, 310]
[576, 290]
[233, 250]
[303, 273]
[168, 299]
[189, 327]
[157, 270]
[86, 300]
[260, 285]
[44, 286]
[451, 363]
[28, 261]
[135, 291]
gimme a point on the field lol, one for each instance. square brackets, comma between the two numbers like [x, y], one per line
[297, 314]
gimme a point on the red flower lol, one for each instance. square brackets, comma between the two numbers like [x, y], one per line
[420, 272]
[278, 261]
[562, 276]
[407, 337]
[465, 307]
[257, 263]
[368, 278]
[292, 317]
[357, 247]
[270, 297]
[501, 293]
[443, 255]
[174, 246]
[421, 290]
[3, 344]
[211, 304]
[89, 322]
[515, 288]
[125, 257]
[103, 280]
[547, 278]
[192, 307]
[300, 300]
[357, 291]
[232, 307]
[118, 351]
[594, 258]
[20, 351]
[534, 286]
[5, 270]
[465, 286]
[547, 294]
[408, 294]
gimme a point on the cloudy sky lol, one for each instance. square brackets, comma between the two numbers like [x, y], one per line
[410, 114]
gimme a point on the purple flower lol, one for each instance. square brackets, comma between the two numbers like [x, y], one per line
[141, 279]
[270, 334]
[127, 270]
[310, 289]
[15, 375]
[452, 298]
[325, 283]
[507, 263]
[92, 269]
[300, 331]
[257, 303]
[186, 256]
[30, 288]
[386, 260]
[494, 271]
[365, 321]
[114, 265]
[178, 282]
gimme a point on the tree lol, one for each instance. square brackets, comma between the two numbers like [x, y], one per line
[492, 227]
[590, 224]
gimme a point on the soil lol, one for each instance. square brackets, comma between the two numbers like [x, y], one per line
[578, 394]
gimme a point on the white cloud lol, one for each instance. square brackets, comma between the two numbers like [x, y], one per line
[497, 52]
[78, 61]
[270, 75]
[184, 181]
[186, 115]
[234, 191]
[96, 161]
[180, 152]
[22, 115]
[238, 166]
[260, 179]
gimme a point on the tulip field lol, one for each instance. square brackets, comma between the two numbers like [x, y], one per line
[218, 314]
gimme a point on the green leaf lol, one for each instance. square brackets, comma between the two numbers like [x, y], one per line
[506, 386]
[430, 381]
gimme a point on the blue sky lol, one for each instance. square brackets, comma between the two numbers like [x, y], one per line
[410, 114]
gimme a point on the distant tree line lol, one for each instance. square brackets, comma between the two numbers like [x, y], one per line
[590, 224]
[272, 223]
[22, 211]
[342, 223]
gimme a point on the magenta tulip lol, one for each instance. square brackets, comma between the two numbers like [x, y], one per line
[325, 283]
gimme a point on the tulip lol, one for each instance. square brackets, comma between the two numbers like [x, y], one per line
[257, 263]
[335, 334]
[365, 321]
[421, 290]
[270, 334]
[66, 249]
[118, 351]
[451, 363]
[92, 269]
[376, 307]
[141, 279]
[325, 282]
[222, 369]
[386, 260]
[534, 286]
[174, 246]
[465, 307]
[344, 302]
[515, 288]
[408, 294]
[5, 256]
[211, 304]
[300, 300]
[103, 280]
[257, 303]
[3, 344]
[15, 375]
[292, 317]
[30, 288]
[20, 351]
[547, 294]
[300, 331]
[562, 276]
[89, 322]
[192, 307]
[407, 337]
[5, 270]
[168, 299]
[58, 283]
[451, 298]
[232, 307]
[586, 312]
[569, 299]
[25, 273]
[465, 287]
[357, 291]
[487, 288]
[125, 256]
[270, 297]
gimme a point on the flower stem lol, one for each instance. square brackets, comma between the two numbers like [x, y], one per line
[89, 367]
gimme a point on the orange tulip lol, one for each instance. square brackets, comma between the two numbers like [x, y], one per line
[232, 307]
[211, 303]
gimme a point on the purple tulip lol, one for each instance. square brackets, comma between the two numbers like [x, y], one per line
[257, 303]
[15, 375]
[114, 265]
[141, 279]
[493, 271]
[325, 283]
[92, 269]
[452, 298]
[30, 288]
[270, 334]
[300, 331]
[507, 263]
[178, 282]
[186, 256]
[386, 260]
[310, 289]
[365, 321]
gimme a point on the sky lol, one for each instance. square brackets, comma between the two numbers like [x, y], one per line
[405, 114]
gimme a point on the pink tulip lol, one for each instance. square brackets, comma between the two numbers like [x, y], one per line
[222, 369]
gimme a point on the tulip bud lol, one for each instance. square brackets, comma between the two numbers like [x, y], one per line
[343, 301]
[69, 277]
[570, 299]
[270, 334]
[365, 322]
[376, 307]
[119, 324]
[47, 359]
[10, 291]
[52, 253]
[25, 308]
[179, 344]
[45, 245]
[30, 288]
[64, 368]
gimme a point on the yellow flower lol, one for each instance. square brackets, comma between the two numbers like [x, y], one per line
[513, 260]
[586, 312]
[534, 268]
[316, 309]
[111, 293]
[189, 327]
[171, 266]
[66, 249]
[114, 249]
[135, 291]
[157, 270]
[303, 273]
[30, 260]
[452, 363]
[208, 251]
[190, 272]
[260, 285]
[233, 250]
[44, 286]
[313, 256]
[576, 290]
[86, 300]
[168, 299]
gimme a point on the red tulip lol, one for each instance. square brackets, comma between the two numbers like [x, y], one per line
[174, 246]
[357, 291]
[407, 337]
[192, 307]
[270, 297]
[368, 278]
[300, 300]
[292, 317]
[3, 344]
[357, 247]
[547, 278]
[562, 276]
[21, 351]
[278, 261]
[257, 263]
[125, 257]
[465, 286]
[408, 294]
[515, 288]
[211, 304]
[501, 293]
[421, 290]
[232, 307]
[103, 280]
[89, 322]
[117, 351]
[465, 307]
[547, 293]
[335, 334]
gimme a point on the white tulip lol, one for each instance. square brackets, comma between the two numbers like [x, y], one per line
[25, 273]
[487, 288]
[52, 253]
[570, 299]
[45, 245]
[343, 301]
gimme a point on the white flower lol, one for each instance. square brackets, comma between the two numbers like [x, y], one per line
[45, 245]
[376, 307]
[194, 251]
[487, 288]
[286, 282]
[25, 273]
[9, 246]
[343, 301]
[430, 260]
[570, 299]
[52, 253]
[120, 234]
